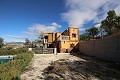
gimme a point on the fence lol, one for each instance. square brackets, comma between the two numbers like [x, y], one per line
[44, 50]
[63, 38]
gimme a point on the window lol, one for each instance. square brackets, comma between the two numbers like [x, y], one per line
[46, 37]
[74, 35]
[72, 45]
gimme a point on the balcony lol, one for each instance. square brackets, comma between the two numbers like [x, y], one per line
[63, 38]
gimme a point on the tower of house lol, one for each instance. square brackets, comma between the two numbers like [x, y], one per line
[73, 33]
[68, 39]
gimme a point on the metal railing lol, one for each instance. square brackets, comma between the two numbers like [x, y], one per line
[63, 38]
[43, 50]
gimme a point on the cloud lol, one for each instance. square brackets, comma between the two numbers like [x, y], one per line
[98, 25]
[82, 29]
[82, 12]
[117, 9]
[17, 37]
[37, 29]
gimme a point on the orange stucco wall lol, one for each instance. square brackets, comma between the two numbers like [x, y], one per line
[73, 31]
[51, 37]
[63, 45]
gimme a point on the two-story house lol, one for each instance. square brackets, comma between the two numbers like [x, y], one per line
[64, 42]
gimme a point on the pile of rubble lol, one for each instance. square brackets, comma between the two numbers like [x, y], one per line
[65, 69]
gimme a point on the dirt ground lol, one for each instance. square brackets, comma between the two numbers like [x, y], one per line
[69, 67]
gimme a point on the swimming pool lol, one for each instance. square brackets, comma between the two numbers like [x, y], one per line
[4, 59]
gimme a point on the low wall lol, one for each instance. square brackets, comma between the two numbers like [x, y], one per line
[107, 49]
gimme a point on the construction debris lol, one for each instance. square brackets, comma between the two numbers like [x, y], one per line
[65, 69]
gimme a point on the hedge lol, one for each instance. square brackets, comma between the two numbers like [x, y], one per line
[12, 69]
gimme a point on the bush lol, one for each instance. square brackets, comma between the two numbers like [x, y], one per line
[12, 69]
[10, 51]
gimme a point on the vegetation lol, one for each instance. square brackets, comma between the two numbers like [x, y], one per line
[30, 44]
[112, 23]
[27, 42]
[1, 42]
[10, 51]
[117, 22]
[12, 69]
[92, 32]
[84, 37]
[109, 26]
[41, 36]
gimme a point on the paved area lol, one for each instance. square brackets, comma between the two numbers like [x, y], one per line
[40, 62]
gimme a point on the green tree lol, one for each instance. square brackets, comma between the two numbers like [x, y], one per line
[27, 42]
[1, 42]
[84, 37]
[92, 32]
[41, 36]
[109, 24]
[117, 22]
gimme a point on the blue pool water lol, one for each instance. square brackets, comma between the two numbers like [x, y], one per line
[4, 59]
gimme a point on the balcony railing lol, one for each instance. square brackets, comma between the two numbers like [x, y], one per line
[63, 38]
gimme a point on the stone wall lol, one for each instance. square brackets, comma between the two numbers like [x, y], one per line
[107, 49]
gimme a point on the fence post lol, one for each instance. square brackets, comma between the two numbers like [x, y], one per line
[55, 51]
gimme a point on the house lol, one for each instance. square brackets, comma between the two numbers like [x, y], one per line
[64, 42]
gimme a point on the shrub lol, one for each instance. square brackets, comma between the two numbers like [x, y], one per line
[12, 69]
[10, 51]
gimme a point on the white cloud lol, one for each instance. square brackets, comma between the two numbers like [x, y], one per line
[98, 25]
[82, 29]
[117, 9]
[37, 29]
[17, 37]
[81, 12]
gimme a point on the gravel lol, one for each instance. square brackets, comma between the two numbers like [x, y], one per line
[34, 71]
[68, 67]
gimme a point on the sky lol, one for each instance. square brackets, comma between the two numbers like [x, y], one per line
[20, 19]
